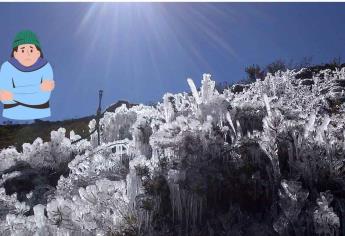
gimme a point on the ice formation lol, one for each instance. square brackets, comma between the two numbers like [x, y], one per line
[267, 160]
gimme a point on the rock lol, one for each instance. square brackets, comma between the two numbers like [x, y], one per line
[305, 73]
[324, 91]
[338, 89]
[237, 88]
[307, 82]
[23, 183]
[337, 97]
[40, 181]
[339, 82]
[113, 107]
[20, 166]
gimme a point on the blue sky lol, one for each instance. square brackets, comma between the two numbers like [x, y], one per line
[139, 51]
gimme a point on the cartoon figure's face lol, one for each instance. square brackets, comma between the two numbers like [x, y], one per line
[27, 54]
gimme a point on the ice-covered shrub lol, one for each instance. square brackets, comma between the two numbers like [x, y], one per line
[292, 198]
[8, 158]
[325, 220]
[114, 126]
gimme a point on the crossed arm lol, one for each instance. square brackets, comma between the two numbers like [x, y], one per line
[31, 94]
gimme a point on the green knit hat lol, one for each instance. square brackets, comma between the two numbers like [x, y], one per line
[25, 37]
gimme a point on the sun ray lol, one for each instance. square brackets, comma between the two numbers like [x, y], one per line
[139, 34]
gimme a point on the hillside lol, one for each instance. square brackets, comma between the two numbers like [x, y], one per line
[260, 159]
[17, 134]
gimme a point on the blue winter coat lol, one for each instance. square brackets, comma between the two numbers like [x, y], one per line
[24, 83]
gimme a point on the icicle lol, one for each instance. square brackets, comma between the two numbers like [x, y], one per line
[221, 117]
[225, 130]
[228, 117]
[322, 129]
[40, 218]
[186, 206]
[239, 129]
[168, 107]
[344, 140]
[194, 90]
[207, 88]
[267, 105]
[232, 138]
[273, 85]
[310, 125]
[133, 186]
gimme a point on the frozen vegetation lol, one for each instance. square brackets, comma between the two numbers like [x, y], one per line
[262, 159]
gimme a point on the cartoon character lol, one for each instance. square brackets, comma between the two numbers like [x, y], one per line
[26, 80]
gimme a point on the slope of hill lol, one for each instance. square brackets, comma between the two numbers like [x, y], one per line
[262, 159]
[17, 134]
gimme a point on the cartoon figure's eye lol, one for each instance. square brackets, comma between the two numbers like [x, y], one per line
[31, 50]
[22, 51]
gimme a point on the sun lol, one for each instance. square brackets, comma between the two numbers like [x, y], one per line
[139, 34]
